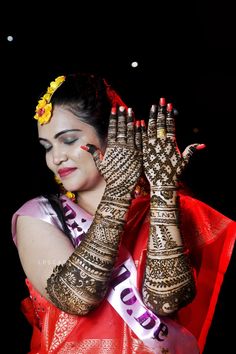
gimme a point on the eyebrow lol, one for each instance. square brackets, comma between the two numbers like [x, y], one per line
[62, 132]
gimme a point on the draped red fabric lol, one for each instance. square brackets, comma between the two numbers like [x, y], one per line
[208, 235]
[210, 238]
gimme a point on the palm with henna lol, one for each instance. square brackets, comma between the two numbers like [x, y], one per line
[169, 280]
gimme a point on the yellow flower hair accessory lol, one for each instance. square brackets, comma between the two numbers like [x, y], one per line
[69, 195]
[44, 107]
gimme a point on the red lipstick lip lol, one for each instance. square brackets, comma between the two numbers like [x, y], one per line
[63, 172]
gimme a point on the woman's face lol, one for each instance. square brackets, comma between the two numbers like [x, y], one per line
[62, 138]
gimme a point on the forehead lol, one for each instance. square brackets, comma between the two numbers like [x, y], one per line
[62, 119]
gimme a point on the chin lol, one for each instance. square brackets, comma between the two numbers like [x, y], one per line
[72, 187]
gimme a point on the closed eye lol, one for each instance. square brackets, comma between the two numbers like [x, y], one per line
[69, 141]
[47, 147]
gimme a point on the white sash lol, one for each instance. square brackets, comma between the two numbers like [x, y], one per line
[162, 335]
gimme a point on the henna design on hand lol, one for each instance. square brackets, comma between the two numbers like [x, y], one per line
[168, 281]
[122, 163]
[162, 159]
[82, 282]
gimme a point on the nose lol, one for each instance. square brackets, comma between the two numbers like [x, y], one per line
[59, 156]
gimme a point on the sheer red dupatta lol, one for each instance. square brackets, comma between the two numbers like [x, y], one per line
[210, 237]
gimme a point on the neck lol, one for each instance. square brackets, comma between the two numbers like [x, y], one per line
[89, 200]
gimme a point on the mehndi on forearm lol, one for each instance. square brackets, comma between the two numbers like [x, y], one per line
[80, 284]
[168, 281]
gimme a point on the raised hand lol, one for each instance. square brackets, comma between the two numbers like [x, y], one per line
[168, 281]
[162, 160]
[121, 164]
[92, 263]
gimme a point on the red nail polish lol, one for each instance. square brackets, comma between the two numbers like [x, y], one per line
[200, 147]
[83, 147]
[169, 107]
[162, 101]
[113, 110]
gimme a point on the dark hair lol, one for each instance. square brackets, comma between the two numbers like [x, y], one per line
[90, 98]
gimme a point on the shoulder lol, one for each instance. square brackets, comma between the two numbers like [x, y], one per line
[35, 207]
[39, 208]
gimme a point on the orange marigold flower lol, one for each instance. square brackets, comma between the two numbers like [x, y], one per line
[43, 109]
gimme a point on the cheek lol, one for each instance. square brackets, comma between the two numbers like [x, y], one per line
[48, 160]
[84, 160]
[77, 153]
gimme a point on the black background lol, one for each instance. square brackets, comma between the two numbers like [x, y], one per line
[185, 53]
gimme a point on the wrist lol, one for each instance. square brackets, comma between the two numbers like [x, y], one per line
[112, 211]
[117, 194]
[164, 206]
[164, 196]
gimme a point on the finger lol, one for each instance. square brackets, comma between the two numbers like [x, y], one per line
[151, 132]
[121, 127]
[130, 128]
[138, 136]
[161, 118]
[95, 152]
[170, 121]
[144, 136]
[190, 150]
[112, 128]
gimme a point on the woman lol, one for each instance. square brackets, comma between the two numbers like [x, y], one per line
[109, 267]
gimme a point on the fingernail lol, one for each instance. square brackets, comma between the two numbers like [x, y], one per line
[153, 108]
[169, 107]
[130, 112]
[162, 101]
[200, 147]
[83, 147]
[121, 108]
[113, 110]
